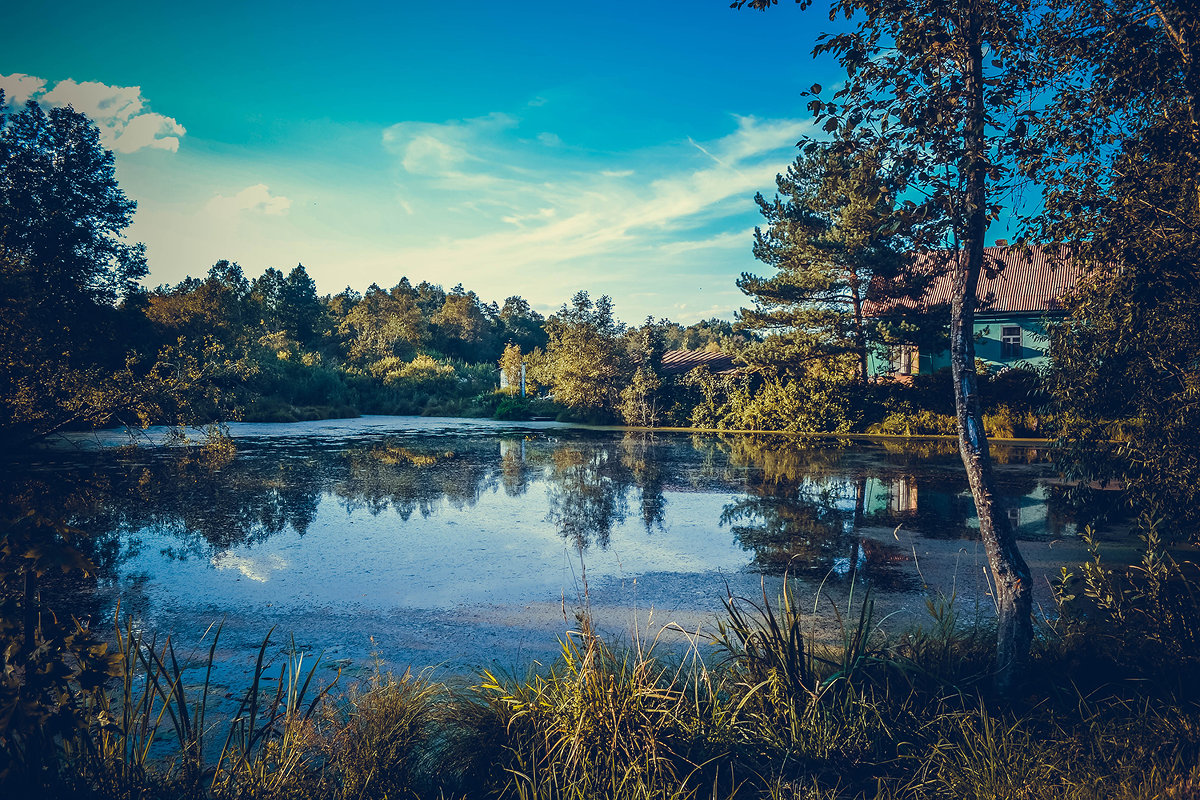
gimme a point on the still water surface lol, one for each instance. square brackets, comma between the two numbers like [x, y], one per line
[467, 543]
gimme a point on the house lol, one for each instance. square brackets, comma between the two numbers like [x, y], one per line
[1015, 304]
[681, 362]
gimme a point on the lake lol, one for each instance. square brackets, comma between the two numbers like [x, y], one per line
[469, 544]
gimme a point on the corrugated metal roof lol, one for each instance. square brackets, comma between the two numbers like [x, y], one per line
[677, 362]
[1013, 281]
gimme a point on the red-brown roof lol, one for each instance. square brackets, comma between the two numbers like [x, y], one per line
[677, 362]
[1028, 282]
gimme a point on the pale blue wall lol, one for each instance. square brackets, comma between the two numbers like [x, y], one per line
[1034, 344]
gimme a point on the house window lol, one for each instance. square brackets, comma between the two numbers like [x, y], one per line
[904, 359]
[1010, 342]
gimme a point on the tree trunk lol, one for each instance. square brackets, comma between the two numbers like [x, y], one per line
[860, 333]
[1009, 572]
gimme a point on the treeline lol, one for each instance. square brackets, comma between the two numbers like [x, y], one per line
[84, 345]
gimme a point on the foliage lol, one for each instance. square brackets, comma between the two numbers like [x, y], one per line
[583, 357]
[907, 421]
[65, 361]
[50, 666]
[1144, 618]
[1123, 362]
[63, 216]
[836, 243]
[813, 403]
[510, 364]
[1117, 151]
[708, 334]
[644, 400]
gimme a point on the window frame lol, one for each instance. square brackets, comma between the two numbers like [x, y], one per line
[1012, 345]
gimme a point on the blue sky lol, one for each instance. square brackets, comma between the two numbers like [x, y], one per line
[532, 148]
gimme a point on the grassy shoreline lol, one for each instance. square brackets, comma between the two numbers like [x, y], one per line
[774, 708]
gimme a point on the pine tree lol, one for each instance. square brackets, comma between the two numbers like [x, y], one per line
[835, 240]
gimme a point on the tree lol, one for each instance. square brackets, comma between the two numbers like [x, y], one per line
[643, 401]
[521, 325]
[219, 307]
[63, 215]
[300, 310]
[918, 87]
[464, 331]
[1119, 155]
[383, 325]
[65, 361]
[510, 365]
[584, 354]
[835, 241]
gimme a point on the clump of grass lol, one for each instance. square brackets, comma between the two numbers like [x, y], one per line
[600, 722]
[381, 734]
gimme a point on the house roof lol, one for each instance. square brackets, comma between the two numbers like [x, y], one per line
[678, 362]
[1013, 281]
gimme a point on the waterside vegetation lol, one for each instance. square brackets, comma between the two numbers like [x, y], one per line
[762, 705]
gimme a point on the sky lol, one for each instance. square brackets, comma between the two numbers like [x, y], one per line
[534, 148]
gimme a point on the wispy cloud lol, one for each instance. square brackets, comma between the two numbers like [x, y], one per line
[120, 112]
[256, 199]
[566, 212]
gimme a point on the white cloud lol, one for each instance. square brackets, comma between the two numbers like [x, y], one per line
[18, 88]
[120, 112]
[441, 150]
[616, 173]
[256, 198]
[550, 139]
[729, 239]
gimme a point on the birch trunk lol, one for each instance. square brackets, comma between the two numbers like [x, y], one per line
[1010, 574]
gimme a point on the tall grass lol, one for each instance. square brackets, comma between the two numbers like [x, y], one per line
[768, 705]
[600, 722]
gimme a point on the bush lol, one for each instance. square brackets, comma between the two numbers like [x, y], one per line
[907, 422]
[512, 407]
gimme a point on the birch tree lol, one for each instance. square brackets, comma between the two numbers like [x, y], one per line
[944, 85]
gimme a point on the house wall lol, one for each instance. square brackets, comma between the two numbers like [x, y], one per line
[988, 345]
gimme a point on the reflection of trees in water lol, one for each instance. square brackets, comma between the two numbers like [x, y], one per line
[785, 528]
[412, 478]
[244, 502]
[589, 481]
[801, 503]
[586, 487]
[649, 470]
[516, 472]
[743, 460]
[803, 511]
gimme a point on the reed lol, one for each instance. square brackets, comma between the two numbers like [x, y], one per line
[600, 722]
[270, 742]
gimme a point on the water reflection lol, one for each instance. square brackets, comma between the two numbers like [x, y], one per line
[487, 505]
